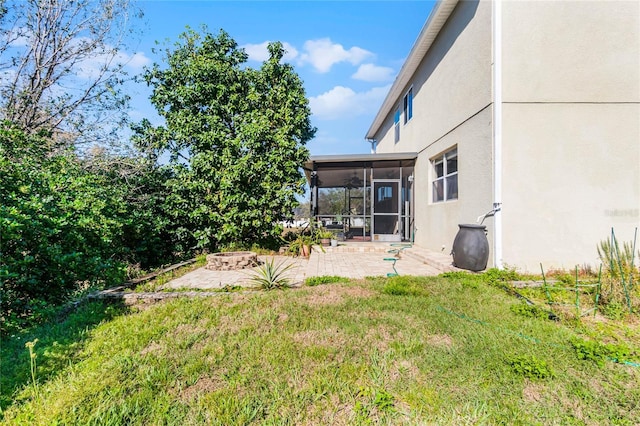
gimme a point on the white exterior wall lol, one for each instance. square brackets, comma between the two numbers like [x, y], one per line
[571, 132]
[570, 127]
[451, 107]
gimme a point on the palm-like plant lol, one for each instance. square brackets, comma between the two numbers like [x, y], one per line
[272, 275]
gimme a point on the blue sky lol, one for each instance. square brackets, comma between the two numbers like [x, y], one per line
[347, 53]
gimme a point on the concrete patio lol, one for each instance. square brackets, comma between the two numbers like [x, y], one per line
[351, 260]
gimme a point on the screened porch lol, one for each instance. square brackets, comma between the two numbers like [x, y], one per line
[363, 197]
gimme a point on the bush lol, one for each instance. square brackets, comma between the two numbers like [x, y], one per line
[69, 224]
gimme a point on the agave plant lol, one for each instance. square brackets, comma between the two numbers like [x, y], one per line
[272, 275]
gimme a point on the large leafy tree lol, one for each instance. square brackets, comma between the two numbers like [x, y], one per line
[236, 136]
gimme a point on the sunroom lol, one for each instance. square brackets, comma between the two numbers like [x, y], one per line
[363, 197]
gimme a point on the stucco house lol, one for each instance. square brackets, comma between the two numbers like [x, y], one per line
[527, 108]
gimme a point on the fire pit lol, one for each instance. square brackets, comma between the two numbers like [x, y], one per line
[232, 260]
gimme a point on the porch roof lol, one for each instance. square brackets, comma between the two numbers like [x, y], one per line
[343, 162]
[358, 158]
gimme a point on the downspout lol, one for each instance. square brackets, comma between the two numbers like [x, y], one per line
[374, 145]
[497, 133]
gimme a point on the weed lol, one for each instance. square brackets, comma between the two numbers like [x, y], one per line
[597, 352]
[32, 362]
[614, 310]
[620, 273]
[324, 279]
[530, 367]
[373, 400]
[466, 279]
[271, 275]
[531, 311]
[496, 276]
[401, 286]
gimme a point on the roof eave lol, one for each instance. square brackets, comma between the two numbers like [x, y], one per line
[439, 15]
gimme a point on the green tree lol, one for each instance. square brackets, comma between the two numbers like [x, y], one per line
[236, 136]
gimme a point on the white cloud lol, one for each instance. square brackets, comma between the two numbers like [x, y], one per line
[323, 54]
[343, 102]
[138, 61]
[260, 53]
[373, 73]
[91, 68]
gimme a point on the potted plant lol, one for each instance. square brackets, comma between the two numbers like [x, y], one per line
[301, 246]
[325, 237]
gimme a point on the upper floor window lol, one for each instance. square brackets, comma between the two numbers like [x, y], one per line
[445, 176]
[396, 126]
[407, 106]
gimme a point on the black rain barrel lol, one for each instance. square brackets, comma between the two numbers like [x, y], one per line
[471, 248]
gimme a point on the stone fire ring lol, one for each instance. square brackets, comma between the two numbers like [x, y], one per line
[232, 260]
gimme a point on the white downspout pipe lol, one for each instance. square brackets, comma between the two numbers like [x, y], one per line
[374, 145]
[497, 133]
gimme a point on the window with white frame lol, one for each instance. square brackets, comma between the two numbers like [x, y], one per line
[445, 176]
[396, 126]
[407, 105]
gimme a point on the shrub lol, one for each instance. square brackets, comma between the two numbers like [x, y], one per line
[271, 275]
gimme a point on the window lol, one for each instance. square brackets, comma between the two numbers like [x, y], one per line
[445, 176]
[396, 126]
[407, 105]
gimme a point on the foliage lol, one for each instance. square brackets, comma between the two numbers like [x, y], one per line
[592, 350]
[67, 226]
[496, 276]
[403, 286]
[530, 367]
[324, 279]
[236, 137]
[50, 46]
[271, 275]
[300, 244]
[620, 275]
[325, 234]
[532, 311]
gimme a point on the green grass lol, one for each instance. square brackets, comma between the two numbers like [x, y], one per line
[381, 351]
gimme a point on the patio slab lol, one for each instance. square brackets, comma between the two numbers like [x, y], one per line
[348, 260]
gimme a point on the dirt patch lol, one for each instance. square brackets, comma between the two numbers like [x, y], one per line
[381, 337]
[403, 370]
[153, 347]
[327, 338]
[532, 392]
[204, 385]
[440, 340]
[187, 329]
[334, 294]
[282, 317]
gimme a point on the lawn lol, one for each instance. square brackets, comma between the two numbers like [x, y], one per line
[396, 350]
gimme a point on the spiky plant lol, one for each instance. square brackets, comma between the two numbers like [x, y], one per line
[271, 275]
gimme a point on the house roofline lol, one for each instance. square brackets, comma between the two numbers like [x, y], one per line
[439, 15]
